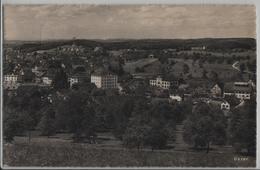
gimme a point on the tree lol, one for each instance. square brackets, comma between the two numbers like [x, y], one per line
[76, 114]
[26, 104]
[204, 126]
[157, 135]
[137, 130]
[139, 70]
[204, 74]
[186, 68]
[252, 66]
[136, 133]
[47, 123]
[121, 115]
[243, 127]
[242, 67]
[213, 76]
[60, 80]
[147, 127]
[12, 125]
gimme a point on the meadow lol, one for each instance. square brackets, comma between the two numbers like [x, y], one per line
[64, 154]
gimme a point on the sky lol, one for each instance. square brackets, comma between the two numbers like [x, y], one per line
[46, 22]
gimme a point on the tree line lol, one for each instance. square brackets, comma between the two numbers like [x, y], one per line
[85, 110]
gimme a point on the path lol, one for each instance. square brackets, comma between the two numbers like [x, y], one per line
[180, 145]
[235, 66]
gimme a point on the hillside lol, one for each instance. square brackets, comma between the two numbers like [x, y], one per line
[146, 44]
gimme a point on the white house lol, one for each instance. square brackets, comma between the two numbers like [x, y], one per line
[225, 106]
[47, 80]
[176, 98]
[73, 80]
[10, 81]
[158, 82]
[242, 90]
[104, 80]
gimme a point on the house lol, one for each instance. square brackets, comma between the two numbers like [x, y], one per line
[158, 82]
[10, 82]
[232, 100]
[242, 90]
[199, 48]
[104, 80]
[220, 103]
[73, 80]
[175, 97]
[47, 80]
[225, 106]
[216, 90]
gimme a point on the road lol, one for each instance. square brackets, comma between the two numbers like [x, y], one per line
[236, 66]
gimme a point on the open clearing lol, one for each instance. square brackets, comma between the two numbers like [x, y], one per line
[80, 155]
[130, 66]
[60, 151]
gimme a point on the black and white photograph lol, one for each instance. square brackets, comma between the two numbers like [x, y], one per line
[144, 86]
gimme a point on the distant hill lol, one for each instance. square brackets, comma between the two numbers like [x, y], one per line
[146, 44]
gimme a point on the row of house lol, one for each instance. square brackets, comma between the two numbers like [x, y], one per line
[101, 80]
[242, 90]
[220, 94]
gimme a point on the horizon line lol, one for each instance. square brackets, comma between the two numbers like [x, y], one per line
[107, 39]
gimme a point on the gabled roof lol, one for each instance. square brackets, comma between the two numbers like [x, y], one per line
[231, 88]
[102, 72]
[220, 84]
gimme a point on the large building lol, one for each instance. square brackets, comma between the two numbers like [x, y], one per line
[199, 48]
[10, 81]
[158, 82]
[242, 90]
[104, 80]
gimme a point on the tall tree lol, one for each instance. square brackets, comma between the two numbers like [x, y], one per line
[47, 123]
[242, 67]
[186, 68]
[243, 127]
[204, 126]
[60, 80]
[76, 114]
[12, 124]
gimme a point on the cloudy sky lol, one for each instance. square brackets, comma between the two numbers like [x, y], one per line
[41, 22]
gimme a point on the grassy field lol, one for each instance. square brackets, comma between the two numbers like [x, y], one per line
[224, 70]
[71, 154]
[131, 66]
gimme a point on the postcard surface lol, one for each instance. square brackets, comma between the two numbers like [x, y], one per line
[129, 86]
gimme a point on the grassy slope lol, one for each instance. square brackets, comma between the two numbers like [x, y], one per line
[79, 155]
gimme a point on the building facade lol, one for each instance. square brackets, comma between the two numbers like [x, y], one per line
[10, 82]
[216, 90]
[176, 98]
[201, 48]
[242, 90]
[158, 82]
[104, 81]
[73, 80]
[46, 80]
[225, 106]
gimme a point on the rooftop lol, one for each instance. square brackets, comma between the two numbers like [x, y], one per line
[232, 87]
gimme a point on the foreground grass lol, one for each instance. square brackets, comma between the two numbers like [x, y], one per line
[80, 155]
